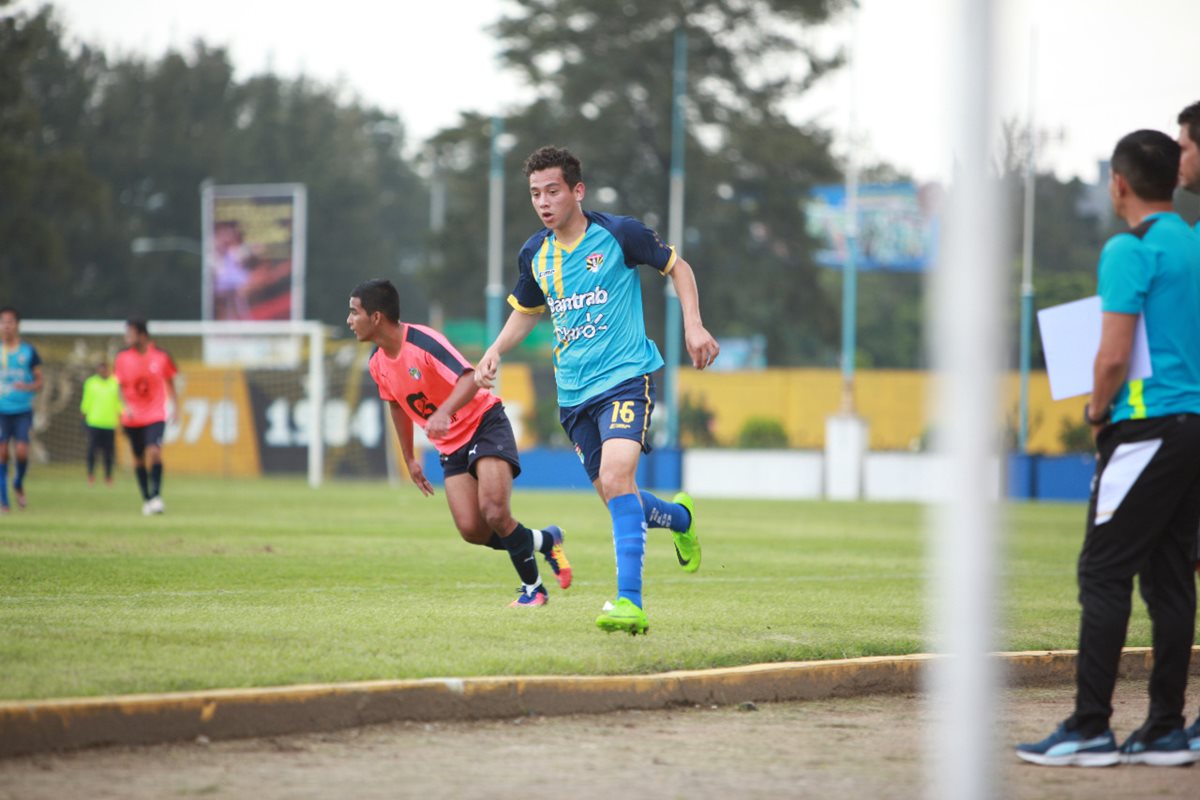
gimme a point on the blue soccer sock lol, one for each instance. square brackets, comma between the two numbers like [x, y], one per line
[661, 514]
[19, 480]
[629, 541]
[4, 484]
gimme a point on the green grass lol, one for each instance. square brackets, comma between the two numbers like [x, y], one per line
[267, 582]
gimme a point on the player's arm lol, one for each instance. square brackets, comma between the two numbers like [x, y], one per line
[172, 399]
[33, 386]
[701, 345]
[404, 432]
[1111, 364]
[438, 424]
[518, 326]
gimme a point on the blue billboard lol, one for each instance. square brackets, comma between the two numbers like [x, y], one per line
[897, 226]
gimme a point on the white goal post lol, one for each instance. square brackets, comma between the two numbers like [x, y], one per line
[313, 331]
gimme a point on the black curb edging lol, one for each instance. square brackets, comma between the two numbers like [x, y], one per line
[56, 725]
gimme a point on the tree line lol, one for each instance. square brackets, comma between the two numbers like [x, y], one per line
[98, 150]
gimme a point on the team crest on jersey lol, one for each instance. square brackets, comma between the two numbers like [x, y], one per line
[415, 373]
[594, 262]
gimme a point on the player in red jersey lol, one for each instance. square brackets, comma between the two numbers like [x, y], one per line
[147, 378]
[425, 380]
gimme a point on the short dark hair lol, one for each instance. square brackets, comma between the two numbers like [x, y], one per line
[378, 294]
[138, 325]
[561, 157]
[1149, 163]
[1190, 117]
[10, 310]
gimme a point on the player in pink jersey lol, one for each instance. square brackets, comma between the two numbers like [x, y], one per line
[424, 379]
[147, 378]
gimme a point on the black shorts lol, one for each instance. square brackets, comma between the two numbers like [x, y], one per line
[622, 412]
[146, 436]
[493, 439]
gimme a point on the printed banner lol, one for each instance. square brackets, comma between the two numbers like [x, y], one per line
[897, 226]
[254, 247]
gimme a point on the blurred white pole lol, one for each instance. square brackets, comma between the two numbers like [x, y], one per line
[966, 329]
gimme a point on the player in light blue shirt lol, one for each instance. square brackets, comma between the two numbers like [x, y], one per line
[20, 379]
[582, 267]
[1144, 508]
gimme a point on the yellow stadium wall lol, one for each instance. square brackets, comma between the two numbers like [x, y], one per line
[892, 401]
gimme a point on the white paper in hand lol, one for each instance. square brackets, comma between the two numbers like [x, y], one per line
[1070, 339]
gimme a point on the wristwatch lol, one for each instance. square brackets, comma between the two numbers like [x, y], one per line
[1087, 415]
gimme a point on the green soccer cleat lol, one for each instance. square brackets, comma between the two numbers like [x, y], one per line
[623, 616]
[687, 544]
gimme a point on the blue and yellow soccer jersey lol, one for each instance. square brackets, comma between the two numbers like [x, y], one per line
[16, 366]
[595, 299]
[1154, 269]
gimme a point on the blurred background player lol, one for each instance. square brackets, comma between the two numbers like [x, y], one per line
[582, 265]
[1189, 178]
[426, 380]
[1189, 146]
[20, 379]
[101, 409]
[147, 378]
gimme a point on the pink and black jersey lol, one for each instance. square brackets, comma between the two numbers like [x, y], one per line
[420, 379]
[143, 378]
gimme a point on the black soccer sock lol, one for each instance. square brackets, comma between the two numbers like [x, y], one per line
[143, 479]
[156, 480]
[519, 544]
[496, 543]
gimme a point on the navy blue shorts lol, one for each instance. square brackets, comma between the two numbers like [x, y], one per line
[622, 412]
[146, 436]
[16, 426]
[493, 439]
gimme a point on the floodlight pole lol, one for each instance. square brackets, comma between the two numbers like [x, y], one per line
[1027, 260]
[495, 290]
[675, 236]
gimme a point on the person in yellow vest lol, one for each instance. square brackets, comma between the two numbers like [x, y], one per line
[101, 408]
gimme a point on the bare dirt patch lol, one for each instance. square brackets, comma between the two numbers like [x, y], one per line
[857, 747]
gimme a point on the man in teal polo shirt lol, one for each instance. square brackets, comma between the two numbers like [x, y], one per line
[1145, 500]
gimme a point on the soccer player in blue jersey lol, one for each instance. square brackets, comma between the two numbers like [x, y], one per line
[1145, 499]
[582, 266]
[20, 379]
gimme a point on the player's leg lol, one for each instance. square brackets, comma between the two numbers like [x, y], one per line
[154, 443]
[93, 445]
[108, 446]
[21, 451]
[137, 446]
[462, 498]
[5, 428]
[1168, 586]
[495, 477]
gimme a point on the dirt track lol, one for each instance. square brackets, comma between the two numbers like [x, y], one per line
[860, 747]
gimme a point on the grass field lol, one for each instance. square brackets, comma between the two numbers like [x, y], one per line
[268, 582]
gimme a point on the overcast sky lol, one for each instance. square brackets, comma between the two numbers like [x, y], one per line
[1103, 67]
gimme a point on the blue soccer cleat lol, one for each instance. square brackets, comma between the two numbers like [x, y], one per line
[1169, 750]
[1065, 748]
[538, 597]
